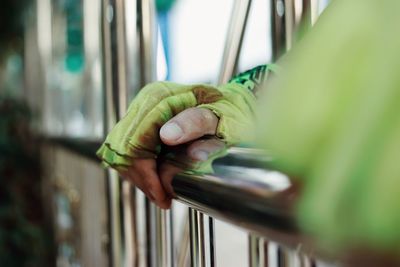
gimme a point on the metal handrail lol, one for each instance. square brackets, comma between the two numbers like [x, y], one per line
[242, 191]
[266, 196]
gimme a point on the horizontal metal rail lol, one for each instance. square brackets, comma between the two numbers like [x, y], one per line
[241, 191]
[254, 198]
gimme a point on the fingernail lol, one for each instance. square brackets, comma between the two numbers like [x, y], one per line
[201, 155]
[171, 131]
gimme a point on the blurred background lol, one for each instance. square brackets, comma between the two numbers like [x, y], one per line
[54, 74]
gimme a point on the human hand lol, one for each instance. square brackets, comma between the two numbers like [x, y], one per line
[183, 133]
[174, 115]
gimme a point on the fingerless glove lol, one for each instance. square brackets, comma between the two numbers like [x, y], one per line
[136, 135]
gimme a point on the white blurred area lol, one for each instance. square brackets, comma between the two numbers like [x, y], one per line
[197, 38]
[198, 32]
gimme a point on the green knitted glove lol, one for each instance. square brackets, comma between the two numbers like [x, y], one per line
[137, 134]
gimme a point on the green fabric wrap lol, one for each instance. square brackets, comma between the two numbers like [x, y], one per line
[136, 135]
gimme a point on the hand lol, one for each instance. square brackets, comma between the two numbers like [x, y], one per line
[179, 116]
[186, 128]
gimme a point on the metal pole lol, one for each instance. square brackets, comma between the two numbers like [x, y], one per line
[164, 233]
[258, 252]
[159, 238]
[233, 44]
[183, 249]
[287, 18]
[120, 194]
[197, 243]
[211, 242]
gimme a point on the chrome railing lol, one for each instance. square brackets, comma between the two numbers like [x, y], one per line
[140, 233]
[266, 197]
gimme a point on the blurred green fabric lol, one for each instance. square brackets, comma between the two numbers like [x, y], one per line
[332, 117]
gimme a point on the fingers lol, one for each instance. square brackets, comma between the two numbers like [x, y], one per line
[189, 125]
[167, 172]
[200, 150]
[143, 173]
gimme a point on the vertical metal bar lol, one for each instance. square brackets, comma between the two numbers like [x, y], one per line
[254, 256]
[211, 229]
[306, 261]
[287, 17]
[283, 258]
[184, 244]
[120, 194]
[288, 257]
[44, 14]
[278, 28]
[314, 11]
[164, 239]
[148, 41]
[233, 44]
[197, 246]
[258, 252]
[159, 237]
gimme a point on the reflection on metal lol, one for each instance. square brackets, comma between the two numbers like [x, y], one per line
[314, 10]
[289, 257]
[306, 261]
[211, 242]
[197, 242]
[265, 204]
[158, 240]
[120, 195]
[92, 60]
[234, 39]
[288, 17]
[258, 252]
[164, 240]
[148, 41]
[183, 247]
[44, 40]
[278, 30]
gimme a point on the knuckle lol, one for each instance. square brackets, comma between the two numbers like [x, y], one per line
[202, 117]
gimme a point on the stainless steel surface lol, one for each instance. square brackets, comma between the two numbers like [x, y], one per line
[148, 41]
[265, 205]
[158, 240]
[234, 39]
[184, 245]
[287, 18]
[288, 257]
[258, 252]
[164, 255]
[197, 242]
[278, 28]
[306, 261]
[297, 14]
[120, 195]
[44, 15]
[210, 235]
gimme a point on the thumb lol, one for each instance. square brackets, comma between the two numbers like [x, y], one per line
[189, 125]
